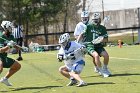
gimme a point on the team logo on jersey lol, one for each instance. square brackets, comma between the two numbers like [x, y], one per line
[96, 32]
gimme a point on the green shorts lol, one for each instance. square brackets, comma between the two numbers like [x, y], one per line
[91, 48]
[7, 62]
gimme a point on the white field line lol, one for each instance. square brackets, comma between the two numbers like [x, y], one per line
[124, 58]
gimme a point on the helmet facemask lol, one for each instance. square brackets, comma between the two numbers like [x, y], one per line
[96, 18]
[85, 16]
[85, 19]
[96, 21]
[64, 39]
[64, 43]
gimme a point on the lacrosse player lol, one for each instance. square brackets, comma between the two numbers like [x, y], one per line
[96, 35]
[80, 28]
[72, 53]
[81, 25]
[7, 42]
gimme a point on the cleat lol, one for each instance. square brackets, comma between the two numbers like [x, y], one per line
[106, 72]
[82, 84]
[96, 70]
[19, 58]
[72, 82]
[105, 75]
[5, 81]
[100, 71]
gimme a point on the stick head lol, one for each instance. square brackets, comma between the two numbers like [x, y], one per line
[105, 20]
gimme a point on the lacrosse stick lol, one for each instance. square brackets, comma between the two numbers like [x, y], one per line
[105, 20]
[9, 41]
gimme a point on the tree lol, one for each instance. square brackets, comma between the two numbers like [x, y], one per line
[33, 14]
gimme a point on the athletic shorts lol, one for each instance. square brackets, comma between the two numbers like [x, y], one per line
[78, 66]
[7, 62]
[99, 50]
[90, 48]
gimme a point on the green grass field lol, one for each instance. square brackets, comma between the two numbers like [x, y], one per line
[39, 74]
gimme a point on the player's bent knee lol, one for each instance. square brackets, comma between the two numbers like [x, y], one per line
[16, 66]
[19, 66]
[96, 56]
[106, 56]
[61, 69]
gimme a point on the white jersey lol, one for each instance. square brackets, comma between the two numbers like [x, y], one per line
[78, 55]
[80, 27]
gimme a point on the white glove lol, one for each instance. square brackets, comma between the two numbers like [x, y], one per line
[70, 56]
[83, 50]
[98, 40]
[11, 43]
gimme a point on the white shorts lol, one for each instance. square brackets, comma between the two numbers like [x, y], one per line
[77, 67]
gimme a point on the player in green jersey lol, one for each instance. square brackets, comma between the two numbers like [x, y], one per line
[7, 42]
[92, 32]
[80, 28]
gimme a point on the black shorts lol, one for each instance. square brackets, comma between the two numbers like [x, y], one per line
[7, 62]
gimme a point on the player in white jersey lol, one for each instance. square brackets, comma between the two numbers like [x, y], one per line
[80, 27]
[72, 53]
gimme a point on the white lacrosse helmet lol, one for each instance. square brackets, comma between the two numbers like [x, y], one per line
[64, 39]
[96, 18]
[6, 24]
[85, 16]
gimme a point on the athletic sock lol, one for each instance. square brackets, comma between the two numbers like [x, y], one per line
[105, 66]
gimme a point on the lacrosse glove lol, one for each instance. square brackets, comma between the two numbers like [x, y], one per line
[11, 43]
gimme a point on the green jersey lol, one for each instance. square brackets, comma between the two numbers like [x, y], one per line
[92, 32]
[4, 42]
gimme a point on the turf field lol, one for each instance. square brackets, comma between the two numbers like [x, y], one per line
[39, 74]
